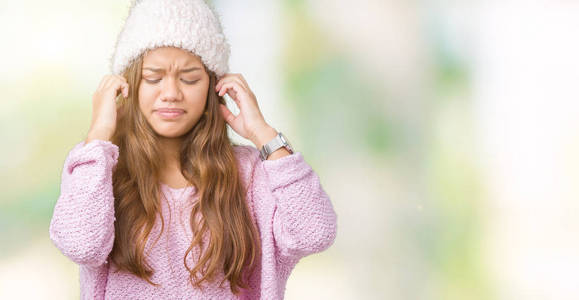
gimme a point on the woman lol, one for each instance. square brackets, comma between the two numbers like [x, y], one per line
[157, 202]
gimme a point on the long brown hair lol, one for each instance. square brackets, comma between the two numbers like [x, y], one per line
[208, 162]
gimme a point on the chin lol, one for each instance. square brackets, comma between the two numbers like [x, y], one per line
[169, 135]
[172, 132]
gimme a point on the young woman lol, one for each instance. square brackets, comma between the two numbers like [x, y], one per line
[157, 202]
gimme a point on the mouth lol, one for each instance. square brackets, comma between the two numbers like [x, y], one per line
[169, 113]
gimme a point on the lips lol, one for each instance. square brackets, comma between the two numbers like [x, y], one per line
[170, 110]
[169, 113]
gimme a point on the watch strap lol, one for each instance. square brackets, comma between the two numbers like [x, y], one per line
[271, 146]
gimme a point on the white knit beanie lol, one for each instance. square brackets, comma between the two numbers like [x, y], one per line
[192, 25]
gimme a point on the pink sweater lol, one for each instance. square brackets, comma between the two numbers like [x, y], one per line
[294, 216]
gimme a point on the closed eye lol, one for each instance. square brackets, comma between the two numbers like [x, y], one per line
[191, 82]
[185, 81]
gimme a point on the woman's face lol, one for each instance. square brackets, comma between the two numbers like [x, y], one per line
[173, 90]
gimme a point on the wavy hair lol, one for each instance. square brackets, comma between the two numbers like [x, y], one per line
[207, 161]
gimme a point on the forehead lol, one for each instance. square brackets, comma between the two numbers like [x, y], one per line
[169, 57]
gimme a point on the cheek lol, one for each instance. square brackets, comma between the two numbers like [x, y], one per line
[200, 103]
[146, 99]
[201, 96]
[201, 93]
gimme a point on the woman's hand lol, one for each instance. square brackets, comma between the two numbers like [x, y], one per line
[104, 107]
[249, 123]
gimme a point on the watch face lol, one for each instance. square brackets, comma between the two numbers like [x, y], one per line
[285, 140]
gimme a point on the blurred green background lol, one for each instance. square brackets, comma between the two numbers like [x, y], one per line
[445, 133]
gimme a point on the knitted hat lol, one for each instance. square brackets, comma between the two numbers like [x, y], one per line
[188, 24]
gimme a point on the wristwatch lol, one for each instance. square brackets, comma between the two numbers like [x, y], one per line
[277, 142]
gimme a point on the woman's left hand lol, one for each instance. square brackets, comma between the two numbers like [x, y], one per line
[249, 121]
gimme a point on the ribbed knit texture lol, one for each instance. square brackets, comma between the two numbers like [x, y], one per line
[294, 215]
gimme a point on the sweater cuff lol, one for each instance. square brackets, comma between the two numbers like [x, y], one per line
[285, 170]
[92, 151]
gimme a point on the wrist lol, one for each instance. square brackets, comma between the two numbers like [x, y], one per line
[263, 135]
[97, 135]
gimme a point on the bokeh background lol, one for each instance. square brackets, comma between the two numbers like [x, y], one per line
[445, 132]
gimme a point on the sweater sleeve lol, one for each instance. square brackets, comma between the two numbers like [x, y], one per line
[304, 220]
[82, 224]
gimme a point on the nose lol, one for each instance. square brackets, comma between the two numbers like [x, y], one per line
[171, 90]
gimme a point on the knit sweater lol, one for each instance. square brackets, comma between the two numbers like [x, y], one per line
[292, 212]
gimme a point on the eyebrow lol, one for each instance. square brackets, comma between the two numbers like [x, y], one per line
[159, 70]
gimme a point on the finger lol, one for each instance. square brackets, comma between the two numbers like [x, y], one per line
[232, 78]
[239, 78]
[233, 85]
[123, 79]
[220, 82]
[115, 80]
[104, 82]
[125, 88]
[233, 95]
[224, 79]
[244, 83]
[109, 82]
[119, 80]
[230, 90]
[119, 86]
[222, 76]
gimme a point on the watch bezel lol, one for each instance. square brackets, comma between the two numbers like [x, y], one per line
[285, 142]
[266, 150]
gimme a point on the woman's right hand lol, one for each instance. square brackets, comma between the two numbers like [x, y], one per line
[104, 107]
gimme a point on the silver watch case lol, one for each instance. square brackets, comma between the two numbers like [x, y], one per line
[277, 142]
